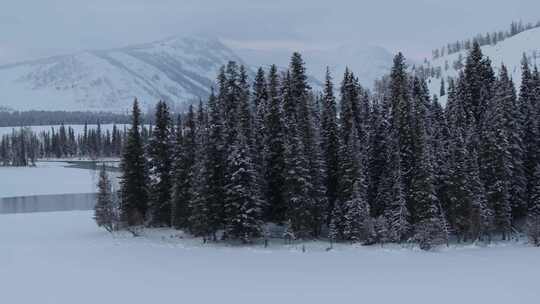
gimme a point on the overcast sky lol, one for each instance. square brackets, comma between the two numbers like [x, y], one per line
[31, 29]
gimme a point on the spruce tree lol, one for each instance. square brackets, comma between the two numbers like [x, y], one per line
[330, 143]
[297, 174]
[377, 156]
[533, 217]
[207, 212]
[403, 123]
[494, 166]
[482, 215]
[391, 194]
[184, 169]
[243, 205]
[478, 84]
[358, 223]
[310, 141]
[274, 152]
[105, 211]
[506, 95]
[429, 222]
[160, 161]
[530, 133]
[134, 179]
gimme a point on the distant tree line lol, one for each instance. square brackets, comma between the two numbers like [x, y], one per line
[23, 147]
[388, 166]
[484, 39]
[44, 118]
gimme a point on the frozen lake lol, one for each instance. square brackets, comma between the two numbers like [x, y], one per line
[50, 186]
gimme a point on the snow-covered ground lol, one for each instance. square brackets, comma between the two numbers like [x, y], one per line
[64, 258]
[45, 179]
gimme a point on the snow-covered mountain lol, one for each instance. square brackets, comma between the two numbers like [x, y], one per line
[509, 51]
[177, 70]
[368, 63]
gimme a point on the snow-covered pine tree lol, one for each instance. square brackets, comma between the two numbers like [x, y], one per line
[533, 217]
[310, 140]
[482, 215]
[457, 196]
[439, 143]
[160, 151]
[391, 193]
[358, 222]
[495, 166]
[259, 108]
[243, 205]
[134, 179]
[530, 127]
[244, 109]
[348, 164]
[330, 143]
[105, 211]
[297, 174]
[274, 152]
[429, 224]
[478, 80]
[184, 169]
[506, 94]
[207, 212]
[377, 155]
[403, 122]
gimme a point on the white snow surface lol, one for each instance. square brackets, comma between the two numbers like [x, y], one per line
[63, 257]
[45, 179]
[508, 52]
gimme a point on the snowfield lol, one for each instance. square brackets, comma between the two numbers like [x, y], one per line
[64, 258]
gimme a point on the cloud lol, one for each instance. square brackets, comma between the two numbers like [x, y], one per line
[41, 28]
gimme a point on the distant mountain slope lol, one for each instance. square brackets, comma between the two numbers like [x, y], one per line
[176, 70]
[509, 51]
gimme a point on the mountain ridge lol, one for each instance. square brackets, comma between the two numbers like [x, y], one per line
[176, 69]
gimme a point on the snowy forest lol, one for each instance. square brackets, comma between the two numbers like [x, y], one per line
[392, 165]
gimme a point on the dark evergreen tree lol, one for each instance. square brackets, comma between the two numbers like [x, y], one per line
[243, 205]
[274, 152]
[494, 166]
[105, 211]
[184, 167]
[207, 200]
[306, 118]
[391, 195]
[297, 174]
[134, 180]
[533, 218]
[330, 143]
[530, 133]
[160, 161]
[358, 223]
[378, 156]
[505, 94]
